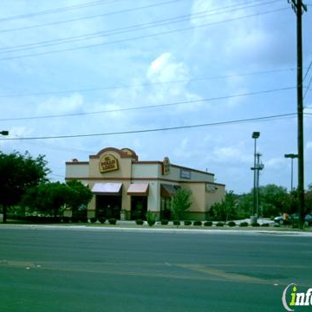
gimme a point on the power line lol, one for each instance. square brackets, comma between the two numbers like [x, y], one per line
[269, 71]
[87, 17]
[57, 10]
[139, 37]
[223, 123]
[149, 106]
[163, 22]
[218, 11]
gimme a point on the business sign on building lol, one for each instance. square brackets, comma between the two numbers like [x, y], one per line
[185, 174]
[166, 166]
[108, 162]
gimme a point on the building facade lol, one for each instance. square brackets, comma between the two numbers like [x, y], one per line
[126, 188]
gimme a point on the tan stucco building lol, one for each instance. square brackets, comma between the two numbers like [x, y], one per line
[125, 187]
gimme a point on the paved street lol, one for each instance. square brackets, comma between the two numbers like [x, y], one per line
[61, 269]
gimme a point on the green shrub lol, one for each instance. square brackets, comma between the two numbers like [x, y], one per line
[265, 224]
[176, 222]
[112, 221]
[197, 223]
[187, 222]
[139, 221]
[164, 222]
[208, 223]
[244, 224]
[231, 223]
[83, 219]
[220, 224]
[255, 224]
[102, 220]
[93, 220]
[151, 218]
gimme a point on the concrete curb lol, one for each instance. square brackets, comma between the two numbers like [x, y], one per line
[180, 230]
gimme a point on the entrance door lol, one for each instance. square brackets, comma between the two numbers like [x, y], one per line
[108, 206]
[138, 207]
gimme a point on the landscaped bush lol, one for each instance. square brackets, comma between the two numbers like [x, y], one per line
[197, 223]
[102, 220]
[151, 218]
[220, 224]
[208, 223]
[139, 222]
[93, 220]
[176, 222]
[65, 219]
[265, 224]
[244, 224]
[256, 224]
[231, 223]
[187, 222]
[112, 221]
[164, 222]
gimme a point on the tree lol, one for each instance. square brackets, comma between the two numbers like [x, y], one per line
[181, 202]
[273, 200]
[47, 199]
[308, 199]
[80, 197]
[51, 198]
[17, 174]
[227, 209]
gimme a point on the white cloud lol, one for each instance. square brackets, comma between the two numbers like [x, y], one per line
[165, 68]
[67, 104]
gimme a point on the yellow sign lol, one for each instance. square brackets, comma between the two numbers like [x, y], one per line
[108, 162]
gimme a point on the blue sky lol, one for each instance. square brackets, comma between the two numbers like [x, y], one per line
[190, 80]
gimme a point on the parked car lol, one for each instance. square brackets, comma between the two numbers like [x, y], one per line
[282, 219]
[295, 218]
[286, 219]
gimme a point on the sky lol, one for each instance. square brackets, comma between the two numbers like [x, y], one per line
[186, 79]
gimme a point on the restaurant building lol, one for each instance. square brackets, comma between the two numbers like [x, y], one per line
[126, 188]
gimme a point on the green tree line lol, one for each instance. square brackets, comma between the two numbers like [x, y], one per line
[25, 188]
[273, 201]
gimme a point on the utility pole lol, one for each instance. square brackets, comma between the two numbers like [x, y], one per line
[299, 9]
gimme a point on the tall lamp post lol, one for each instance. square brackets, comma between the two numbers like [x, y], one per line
[4, 208]
[255, 136]
[291, 156]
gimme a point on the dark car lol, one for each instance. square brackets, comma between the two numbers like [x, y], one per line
[295, 218]
[282, 219]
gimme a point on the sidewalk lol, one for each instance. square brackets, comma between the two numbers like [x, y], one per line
[131, 226]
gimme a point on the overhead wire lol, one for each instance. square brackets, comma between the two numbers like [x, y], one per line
[57, 10]
[257, 119]
[139, 37]
[149, 106]
[89, 17]
[219, 11]
[148, 84]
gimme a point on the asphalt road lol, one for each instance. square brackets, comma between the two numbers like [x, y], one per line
[44, 269]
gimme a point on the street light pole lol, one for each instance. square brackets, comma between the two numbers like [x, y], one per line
[299, 9]
[291, 156]
[255, 136]
[5, 132]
